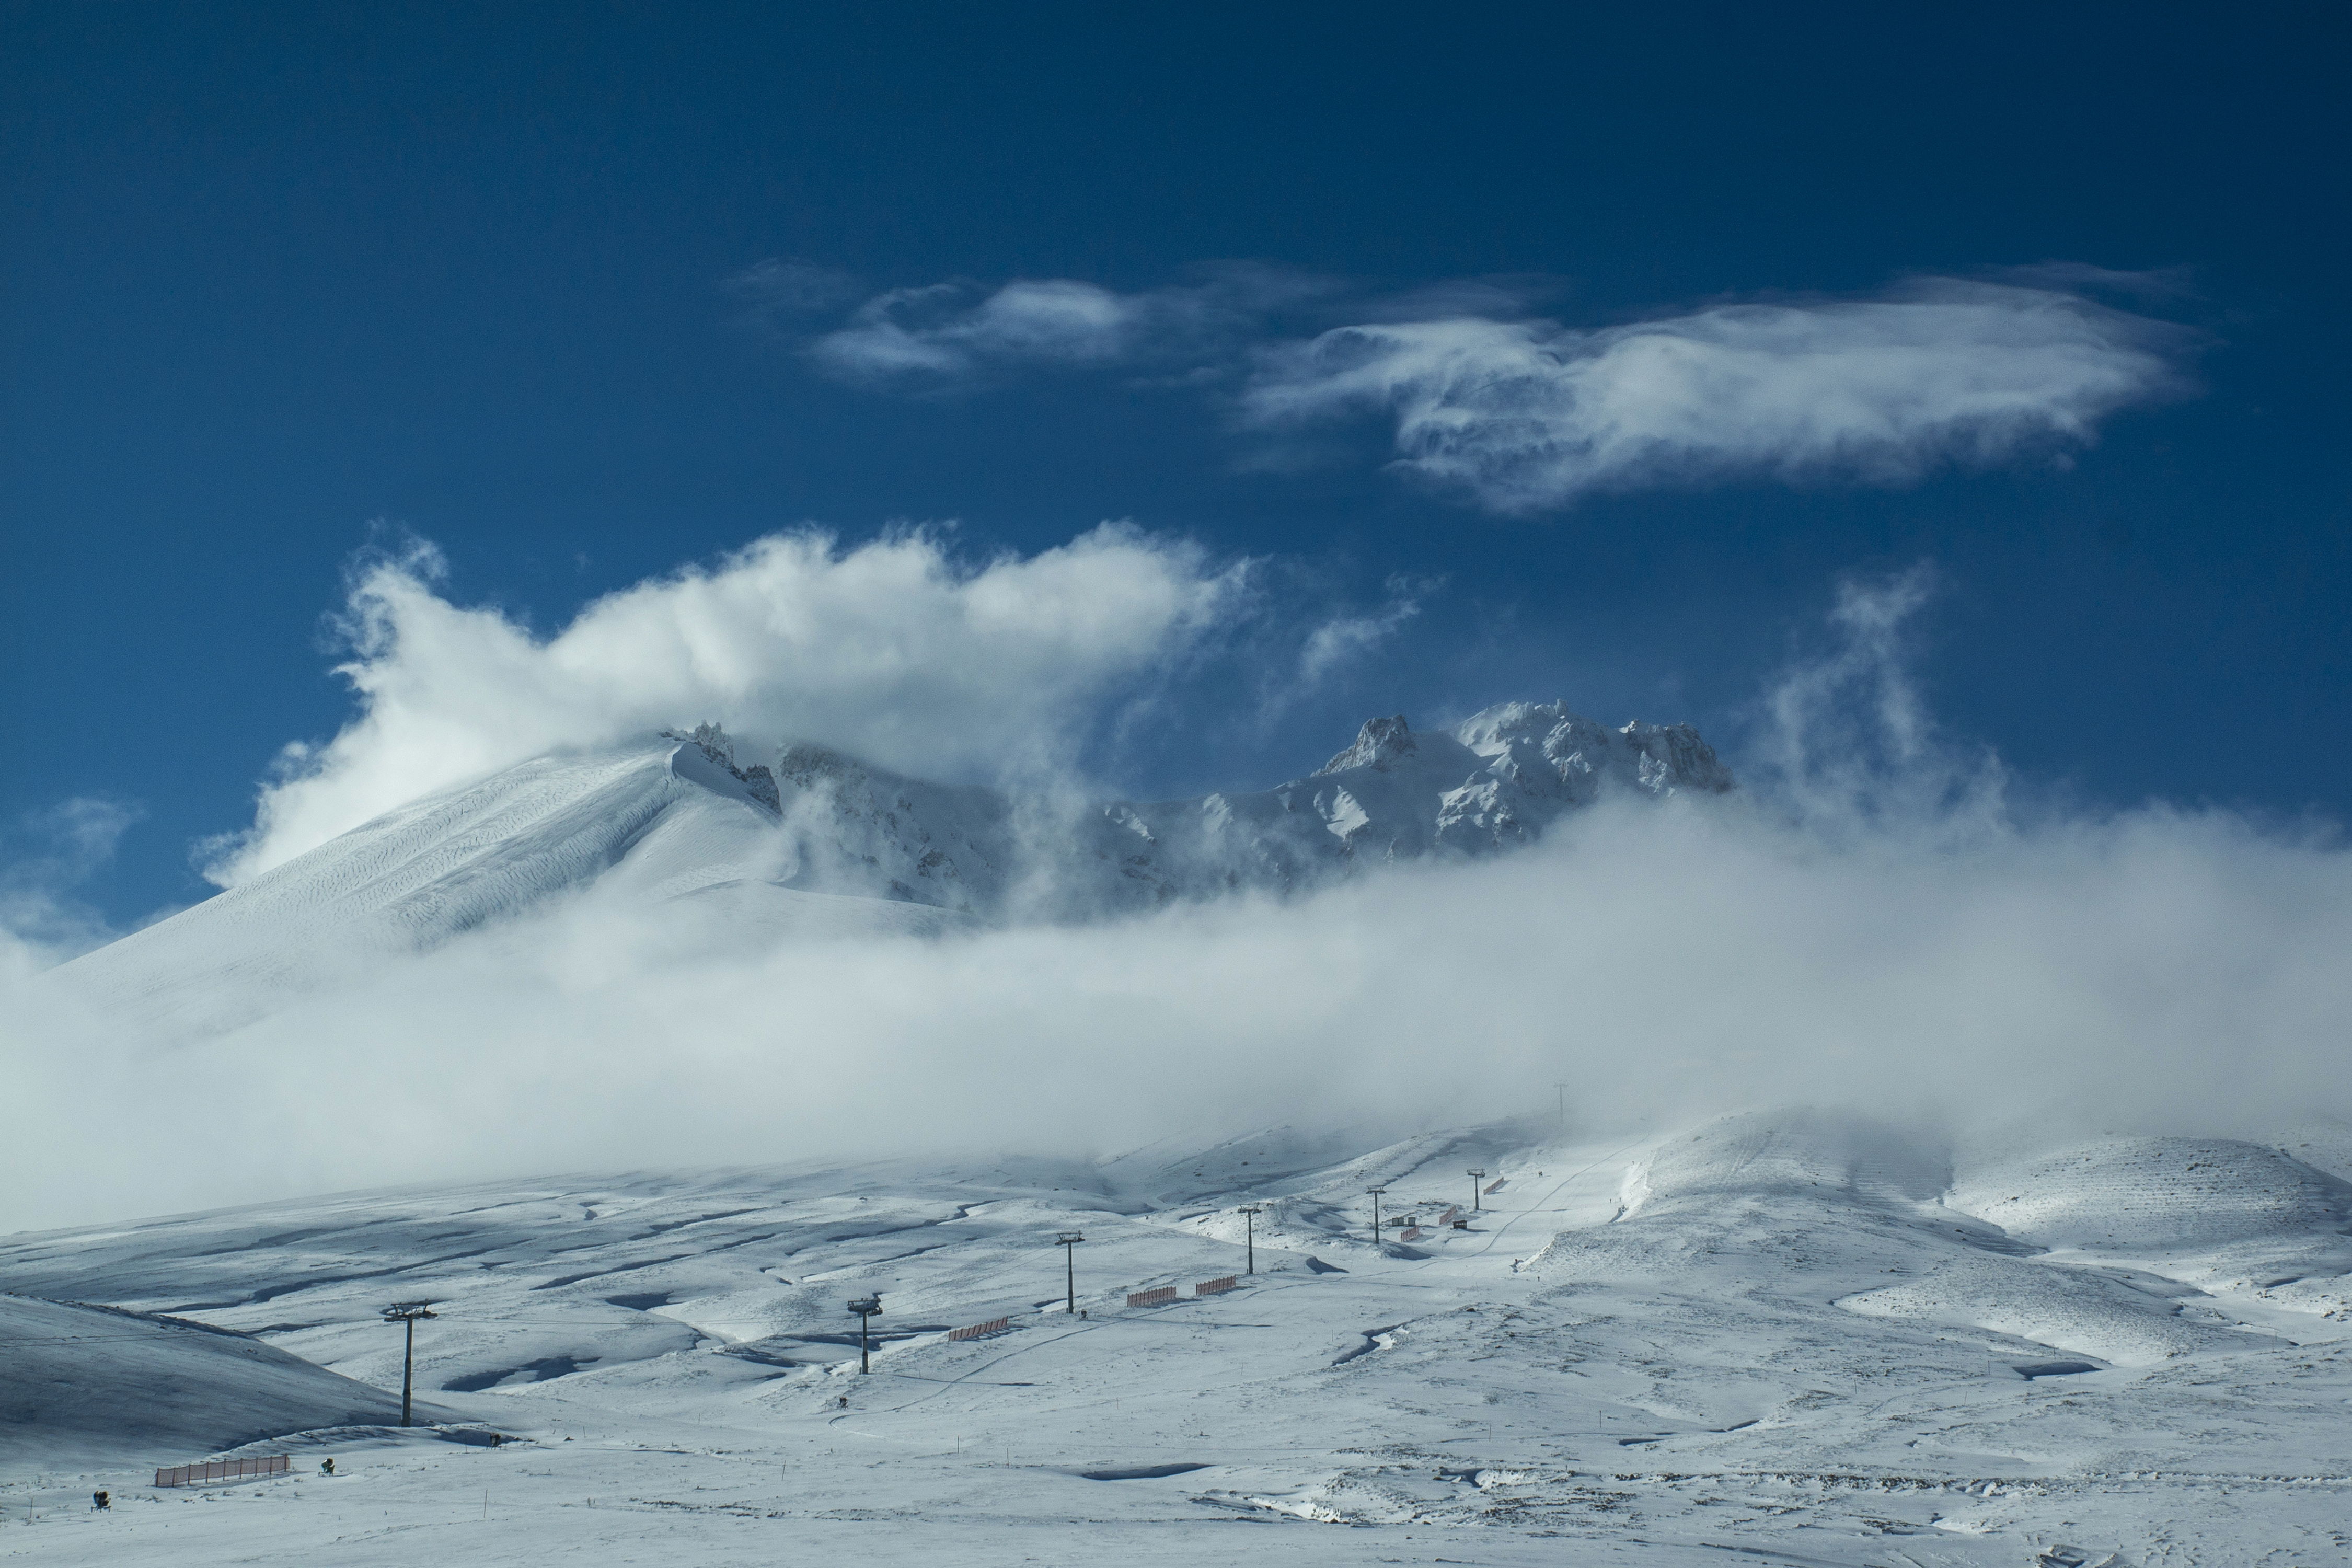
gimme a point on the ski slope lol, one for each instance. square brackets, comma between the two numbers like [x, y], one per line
[653, 825]
[84, 1385]
[1784, 1336]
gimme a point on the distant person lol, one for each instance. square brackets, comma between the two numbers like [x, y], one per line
[100, 1499]
[328, 1469]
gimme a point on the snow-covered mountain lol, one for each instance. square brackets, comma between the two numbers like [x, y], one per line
[1779, 1337]
[1493, 782]
[811, 842]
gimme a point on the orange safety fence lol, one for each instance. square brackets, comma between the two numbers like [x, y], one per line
[1218, 1286]
[982, 1330]
[1151, 1298]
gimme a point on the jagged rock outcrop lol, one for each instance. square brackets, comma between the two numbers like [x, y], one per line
[1494, 780]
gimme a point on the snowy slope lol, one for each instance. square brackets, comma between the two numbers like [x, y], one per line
[1774, 1336]
[91, 1386]
[812, 844]
[2208, 1213]
[655, 823]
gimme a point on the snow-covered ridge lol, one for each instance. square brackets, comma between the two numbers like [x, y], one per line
[1493, 782]
[807, 841]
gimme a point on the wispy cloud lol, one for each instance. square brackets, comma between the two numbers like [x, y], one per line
[958, 330]
[780, 291]
[938, 329]
[1520, 413]
[1845, 741]
[1525, 417]
[45, 855]
[1344, 640]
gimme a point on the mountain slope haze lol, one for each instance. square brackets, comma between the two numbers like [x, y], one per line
[814, 844]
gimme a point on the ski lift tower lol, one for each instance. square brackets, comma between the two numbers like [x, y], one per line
[1067, 1241]
[1475, 1177]
[865, 1307]
[1249, 1233]
[406, 1314]
[1376, 1193]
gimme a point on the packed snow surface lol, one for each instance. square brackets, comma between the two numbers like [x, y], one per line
[814, 845]
[1783, 1337]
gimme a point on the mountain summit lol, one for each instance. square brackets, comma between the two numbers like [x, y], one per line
[809, 842]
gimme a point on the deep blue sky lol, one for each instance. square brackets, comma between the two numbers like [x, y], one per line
[276, 272]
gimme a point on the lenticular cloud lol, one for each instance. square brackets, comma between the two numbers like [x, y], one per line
[893, 650]
[1528, 416]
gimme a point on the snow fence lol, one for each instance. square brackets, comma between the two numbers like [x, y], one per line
[982, 1330]
[223, 1470]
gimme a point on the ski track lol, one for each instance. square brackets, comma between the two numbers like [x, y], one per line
[1776, 1337]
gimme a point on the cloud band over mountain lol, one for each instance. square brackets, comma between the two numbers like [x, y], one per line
[1871, 924]
[895, 650]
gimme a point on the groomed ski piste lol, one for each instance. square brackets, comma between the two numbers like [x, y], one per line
[1778, 1337]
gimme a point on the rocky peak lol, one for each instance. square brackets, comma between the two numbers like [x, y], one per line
[1496, 780]
[1378, 744]
[717, 748]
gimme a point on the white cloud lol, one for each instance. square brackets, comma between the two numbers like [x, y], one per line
[1521, 415]
[1526, 416]
[1049, 321]
[1344, 639]
[941, 331]
[1888, 944]
[893, 650]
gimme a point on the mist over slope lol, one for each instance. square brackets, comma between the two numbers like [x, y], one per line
[814, 844]
[657, 953]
